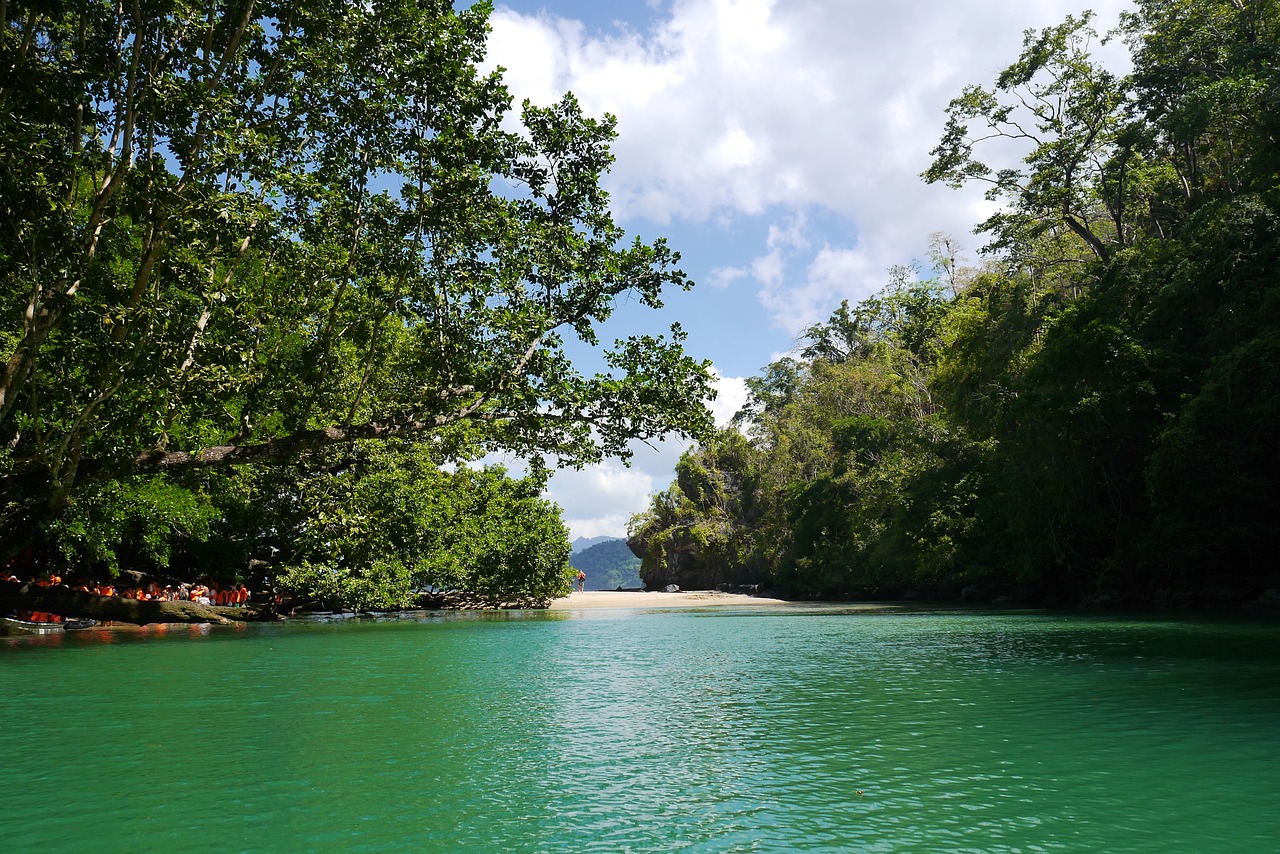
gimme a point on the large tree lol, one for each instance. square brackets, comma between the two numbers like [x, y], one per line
[236, 232]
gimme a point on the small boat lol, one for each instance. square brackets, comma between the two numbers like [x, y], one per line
[33, 628]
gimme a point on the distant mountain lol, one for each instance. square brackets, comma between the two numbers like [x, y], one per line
[608, 565]
[583, 543]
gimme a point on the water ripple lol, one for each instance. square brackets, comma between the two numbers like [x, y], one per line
[692, 731]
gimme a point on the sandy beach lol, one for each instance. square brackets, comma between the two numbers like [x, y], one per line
[637, 599]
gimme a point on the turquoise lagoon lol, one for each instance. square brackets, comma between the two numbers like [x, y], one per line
[769, 729]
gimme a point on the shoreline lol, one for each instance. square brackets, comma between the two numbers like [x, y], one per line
[639, 599]
[643, 599]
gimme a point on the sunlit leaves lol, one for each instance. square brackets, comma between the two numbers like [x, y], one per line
[228, 224]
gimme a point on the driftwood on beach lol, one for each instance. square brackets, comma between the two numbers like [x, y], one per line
[57, 599]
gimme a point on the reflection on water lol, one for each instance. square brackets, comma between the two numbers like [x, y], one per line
[717, 730]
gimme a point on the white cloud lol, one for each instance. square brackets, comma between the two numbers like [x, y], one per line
[790, 233]
[605, 487]
[735, 149]
[605, 526]
[767, 269]
[600, 499]
[730, 108]
[723, 277]
[731, 394]
[833, 274]
[751, 103]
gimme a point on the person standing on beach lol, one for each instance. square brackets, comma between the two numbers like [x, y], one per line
[582, 581]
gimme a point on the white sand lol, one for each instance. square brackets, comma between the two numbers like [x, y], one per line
[686, 599]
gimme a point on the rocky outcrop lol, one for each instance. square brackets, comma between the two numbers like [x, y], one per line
[681, 560]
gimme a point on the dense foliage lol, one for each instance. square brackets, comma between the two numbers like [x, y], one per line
[378, 523]
[242, 233]
[1092, 412]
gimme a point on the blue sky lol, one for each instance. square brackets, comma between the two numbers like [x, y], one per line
[776, 144]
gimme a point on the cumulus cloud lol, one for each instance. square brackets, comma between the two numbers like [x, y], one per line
[601, 498]
[731, 394]
[752, 103]
[742, 108]
[833, 273]
[723, 277]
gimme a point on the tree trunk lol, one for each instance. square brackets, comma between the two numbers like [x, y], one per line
[33, 480]
[78, 604]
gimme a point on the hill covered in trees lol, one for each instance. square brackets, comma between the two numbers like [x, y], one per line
[583, 543]
[608, 564]
[1091, 413]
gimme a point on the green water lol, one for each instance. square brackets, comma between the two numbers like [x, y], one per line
[648, 731]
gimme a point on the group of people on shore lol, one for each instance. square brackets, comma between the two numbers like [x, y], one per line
[235, 596]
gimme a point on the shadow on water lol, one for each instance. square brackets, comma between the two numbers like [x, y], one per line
[311, 623]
